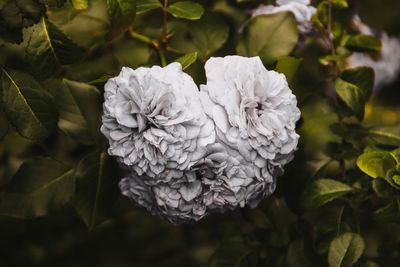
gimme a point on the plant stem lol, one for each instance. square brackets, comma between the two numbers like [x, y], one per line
[164, 26]
[163, 38]
[330, 34]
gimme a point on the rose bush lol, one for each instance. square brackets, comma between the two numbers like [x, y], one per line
[211, 154]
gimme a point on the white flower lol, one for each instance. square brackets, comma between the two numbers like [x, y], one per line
[154, 121]
[231, 181]
[179, 200]
[219, 182]
[194, 153]
[253, 109]
[387, 65]
[301, 9]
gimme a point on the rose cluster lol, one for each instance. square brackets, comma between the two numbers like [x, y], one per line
[191, 152]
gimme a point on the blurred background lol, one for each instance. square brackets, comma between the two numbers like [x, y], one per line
[278, 233]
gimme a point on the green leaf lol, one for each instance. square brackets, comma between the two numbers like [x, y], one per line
[122, 12]
[18, 14]
[295, 256]
[96, 188]
[383, 189]
[269, 36]
[205, 36]
[389, 213]
[48, 49]
[186, 10]
[322, 191]
[396, 179]
[340, 3]
[288, 66]
[385, 135]
[364, 43]
[143, 6]
[79, 105]
[396, 155]
[376, 163]
[362, 77]
[234, 251]
[352, 96]
[39, 187]
[345, 250]
[187, 60]
[29, 108]
[80, 4]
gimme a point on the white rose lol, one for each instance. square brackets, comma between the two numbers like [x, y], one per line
[229, 181]
[219, 182]
[254, 111]
[301, 9]
[178, 201]
[153, 119]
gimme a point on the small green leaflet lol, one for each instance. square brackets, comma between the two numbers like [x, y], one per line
[186, 10]
[187, 60]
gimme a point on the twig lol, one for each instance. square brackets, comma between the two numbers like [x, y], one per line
[329, 29]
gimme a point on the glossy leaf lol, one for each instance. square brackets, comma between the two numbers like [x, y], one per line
[122, 12]
[96, 188]
[79, 105]
[186, 10]
[352, 96]
[269, 36]
[143, 6]
[29, 108]
[39, 187]
[362, 77]
[48, 49]
[187, 60]
[376, 164]
[345, 250]
[322, 191]
[385, 135]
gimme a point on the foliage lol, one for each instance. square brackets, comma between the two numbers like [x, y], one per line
[338, 203]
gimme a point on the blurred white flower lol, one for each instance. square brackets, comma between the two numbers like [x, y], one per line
[153, 119]
[387, 65]
[301, 9]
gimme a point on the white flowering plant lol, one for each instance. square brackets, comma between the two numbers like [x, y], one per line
[199, 133]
